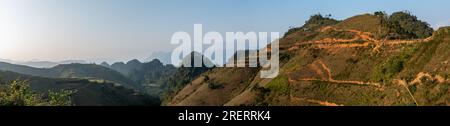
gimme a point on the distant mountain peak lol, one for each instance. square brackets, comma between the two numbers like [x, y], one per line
[118, 63]
[156, 61]
[105, 64]
[190, 59]
[164, 57]
[134, 61]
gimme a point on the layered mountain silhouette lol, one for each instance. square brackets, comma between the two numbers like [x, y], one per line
[164, 57]
[42, 64]
[148, 72]
[367, 59]
[87, 93]
[86, 71]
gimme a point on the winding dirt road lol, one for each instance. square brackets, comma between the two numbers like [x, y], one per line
[329, 77]
[351, 43]
[323, 103]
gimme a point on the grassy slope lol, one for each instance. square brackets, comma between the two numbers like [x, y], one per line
[356, 64]
[223, 85]
[394, 62]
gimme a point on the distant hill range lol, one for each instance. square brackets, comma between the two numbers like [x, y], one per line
[144, 73]
[157, 77]
[164, 57]
[87, 93]
[42, 64]
[151, 77]
[84, 71]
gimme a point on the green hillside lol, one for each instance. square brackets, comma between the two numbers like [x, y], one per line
[85, 92]
[92, 72]
[84, 71]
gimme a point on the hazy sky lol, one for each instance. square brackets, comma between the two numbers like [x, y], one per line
[120, 30]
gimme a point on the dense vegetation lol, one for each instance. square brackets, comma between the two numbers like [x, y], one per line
[388, 69]
[314, 22]
[404, 25]
[279, 84]
[19, 93]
